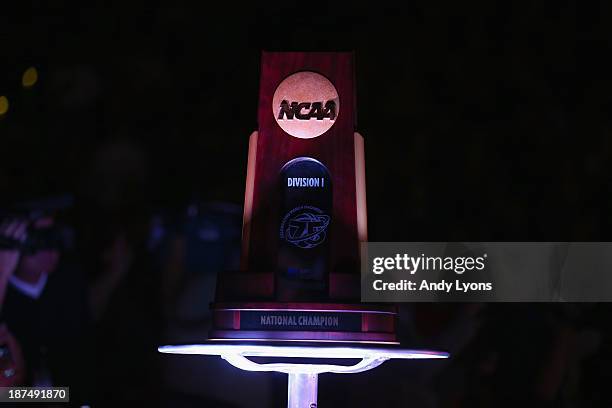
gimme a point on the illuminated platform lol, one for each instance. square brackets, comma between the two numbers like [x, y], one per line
[303, 377]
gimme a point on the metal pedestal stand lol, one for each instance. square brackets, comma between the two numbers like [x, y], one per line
[303, 377]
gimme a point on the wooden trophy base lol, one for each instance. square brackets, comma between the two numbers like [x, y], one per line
[303, 321]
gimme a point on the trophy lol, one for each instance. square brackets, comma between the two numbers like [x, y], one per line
[304, 213]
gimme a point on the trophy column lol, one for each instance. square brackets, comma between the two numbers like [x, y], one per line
[304, 213]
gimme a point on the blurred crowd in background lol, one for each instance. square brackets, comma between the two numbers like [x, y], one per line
[88, 307]
[130, 144]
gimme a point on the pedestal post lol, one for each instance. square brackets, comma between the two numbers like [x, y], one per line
[302, 390]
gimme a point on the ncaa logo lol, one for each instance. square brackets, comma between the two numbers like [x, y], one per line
[305, 104]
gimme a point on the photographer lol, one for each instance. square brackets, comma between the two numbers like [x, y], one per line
[9, 258]
[12, 366]
[43, 305]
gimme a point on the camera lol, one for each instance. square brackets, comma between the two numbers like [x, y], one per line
[56, 236]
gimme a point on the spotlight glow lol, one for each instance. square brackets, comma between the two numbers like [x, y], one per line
[4, 105]
[29, 77]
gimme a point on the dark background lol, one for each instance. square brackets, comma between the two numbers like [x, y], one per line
[477, 124]
[484, 122]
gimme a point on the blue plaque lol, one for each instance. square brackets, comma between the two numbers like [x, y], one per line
[306, 207]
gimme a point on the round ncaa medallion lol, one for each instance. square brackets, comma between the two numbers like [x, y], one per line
[305, 104]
